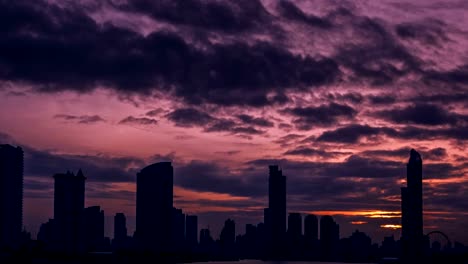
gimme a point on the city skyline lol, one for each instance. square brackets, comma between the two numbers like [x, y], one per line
[335, 93]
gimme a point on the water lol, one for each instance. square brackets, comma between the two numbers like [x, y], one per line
[273, 262]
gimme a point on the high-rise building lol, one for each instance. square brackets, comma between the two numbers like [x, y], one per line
[120, 227]
[295, 225]
[178, 229]
[412, 208]
[11, 195]
[329, 238]
[93, 228]
[154, 207]
[228, 233]
[191, 230]
[69, 199]
[311, 227]
[276, 210]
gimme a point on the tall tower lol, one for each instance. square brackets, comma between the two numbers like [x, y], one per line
[154, 207]
[329, 238]
[412, 208]
[191, 230]
[277, 209]
[94, 228]
[311, 227]
[69, 198]
[11, 195]
[120, 227]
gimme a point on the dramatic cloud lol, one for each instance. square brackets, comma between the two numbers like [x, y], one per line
[209, 14]
[323, 115]
[130, 120]
[423, 114]
[353, 133]
[84, 119]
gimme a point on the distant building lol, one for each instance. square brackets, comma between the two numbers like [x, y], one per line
[11, 196]
[94, 228]
[228, 233]
[329, 238]
[69, 199]
[154, 207]
[178, 229]
[295, 225]
[311, 227]
[120, 226]
[276, 213]
[412, 209]
[191, 230]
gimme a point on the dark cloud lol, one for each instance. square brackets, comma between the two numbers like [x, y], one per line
[313, 152]
[429, 32]
[155, 112]
[131, 120]
[65, 49]
[191, 117]
[422, 114]
[255, 121]
[291, 11]
[402, 153]
[188, 117]
[458, 76]
[323, 115]
[378, 57]
[288, 139]
[206, 176]
[382, 99]
[96, 168]
[228, 16]
[349, 97]
[353, 133]
[83, 119]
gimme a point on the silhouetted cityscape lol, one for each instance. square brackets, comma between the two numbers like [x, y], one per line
[166, 233]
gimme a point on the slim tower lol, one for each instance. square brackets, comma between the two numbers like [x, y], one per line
[11, 195]
[412, 208]
[154, 207]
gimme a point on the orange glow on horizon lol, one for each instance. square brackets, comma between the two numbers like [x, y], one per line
[368, 214]
[358, 222]
[389, 226]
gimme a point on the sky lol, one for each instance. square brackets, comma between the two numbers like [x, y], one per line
[334, 92]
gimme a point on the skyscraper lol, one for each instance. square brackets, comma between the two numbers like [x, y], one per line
[329, 238]
[295, 225]
[178, 229]
[154, 207]
[69, 191]
[311, 227]
[228, 233]
[93, 228]
[11, 195]
[120, 227]
[276, 210]
[191, 230]
[412, 208]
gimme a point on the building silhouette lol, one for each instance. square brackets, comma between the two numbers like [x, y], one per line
[311, 227]
[191, 231]
[93, 226]
[275, 215]
[178, 229]
[154, 207]
[69, 199]
[120, 227]
[295, 225]
[329, 238]
[121, 239]
[412, 209]
[11, 196]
